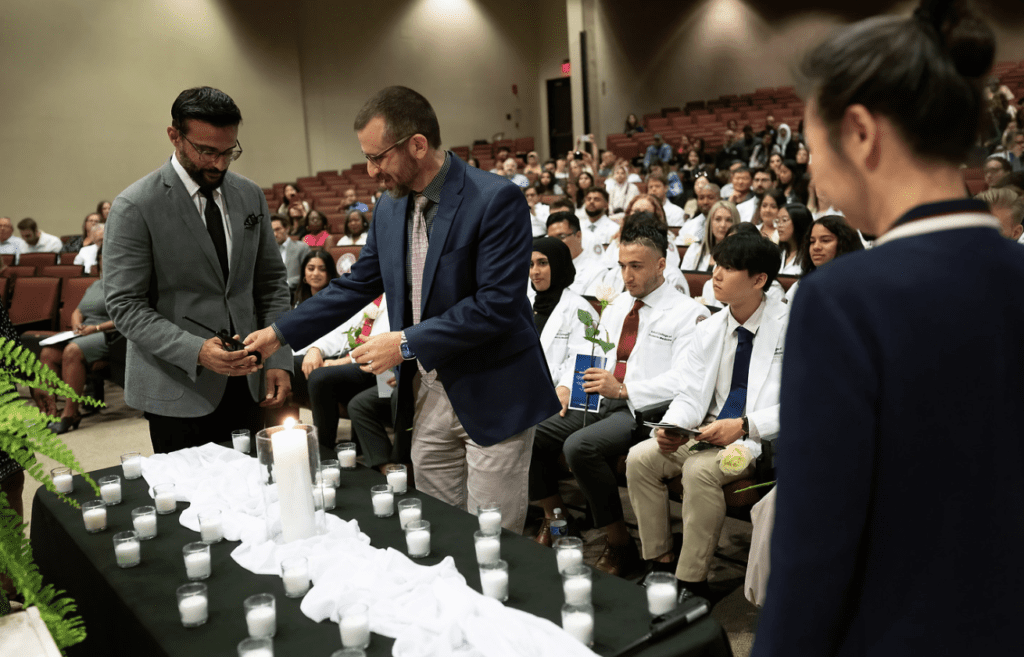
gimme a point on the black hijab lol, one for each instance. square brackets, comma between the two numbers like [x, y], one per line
[562, 275]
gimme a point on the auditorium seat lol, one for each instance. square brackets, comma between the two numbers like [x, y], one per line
[68, 258]
[8, 258]
[37, 259]
[62, 271]
[72, 291]
[34, 303]
[19, 271]
[695, 280]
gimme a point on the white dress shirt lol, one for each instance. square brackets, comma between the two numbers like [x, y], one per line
[539, 214]
[87, 257]
[724, 383]
[46, 243]
[13, 245]
[674, 215]
[345, 240]
[198, 200]
[747, 208]
[596, 233]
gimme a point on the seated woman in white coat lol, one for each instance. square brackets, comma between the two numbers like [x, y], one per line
[828, 238]
[721, 217]
[555, 306]
[793, 222]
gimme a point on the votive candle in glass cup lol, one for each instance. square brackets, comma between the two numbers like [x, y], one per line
[331, 471]
[494, 580]
[144, 521]
[94, 514]
[131, 465]
[324, 495]
[62, 480]
[261, 615]
[355, 626]
[409, 510]
[295, 574]
[417, 538]
[578, 621]
[241, 440]
[110, 489]
[488, 546]
[197, 560]
[349, 652]
[193, 604]
[262, 647]
[165, 499]
[398, 477]
[383, 498]
[346, 455]
[578, 585]
[211, 527]
[127, 549]
[568, 552]
[662, 592]
[489, 516]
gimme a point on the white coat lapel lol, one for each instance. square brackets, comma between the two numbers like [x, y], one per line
[714, 362]
[763, 352]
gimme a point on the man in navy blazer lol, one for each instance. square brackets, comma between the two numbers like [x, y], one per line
[482, 382]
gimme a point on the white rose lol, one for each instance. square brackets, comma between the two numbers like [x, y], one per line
[734, 459]
[688, 240]
[605, 293]
[372, 312]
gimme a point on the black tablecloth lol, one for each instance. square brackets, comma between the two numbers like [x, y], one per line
[134, 611]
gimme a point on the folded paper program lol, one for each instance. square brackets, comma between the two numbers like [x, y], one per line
[428, 610]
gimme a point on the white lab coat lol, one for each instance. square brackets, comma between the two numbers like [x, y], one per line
[335, 343]
[613, 275]
[563, 333]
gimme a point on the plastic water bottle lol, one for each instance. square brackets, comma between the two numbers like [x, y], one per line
[558, 526]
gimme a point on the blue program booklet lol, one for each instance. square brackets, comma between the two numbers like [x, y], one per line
[578, 399]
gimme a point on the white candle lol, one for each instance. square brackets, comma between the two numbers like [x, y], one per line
[197, 565]
[398, 481]
[166, 502]
[494, 583]
[346, 460]
[64, 483]
[568, 558]
[580, 625]
[330, 498]
[332, 477]
[661, 598]
[261, 621]
[193, 610]
[240, 443]
[259, 652]
[111, 493]
[355, 631]
[577, 590]
[488, 550]
[128, 554]
[294, 484]
[145, 525]
[211, 530]
[383, 504]
[95, 519]
[418, 542]
[132, 467]
[296, 582]
[490, 521]
[409, 514]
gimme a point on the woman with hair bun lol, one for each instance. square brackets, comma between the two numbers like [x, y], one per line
[901, 390]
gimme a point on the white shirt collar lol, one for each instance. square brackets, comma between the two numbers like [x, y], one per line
[658, 296]
[753, 322]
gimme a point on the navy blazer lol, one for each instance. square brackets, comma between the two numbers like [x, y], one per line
[898, 526]
[477, 327]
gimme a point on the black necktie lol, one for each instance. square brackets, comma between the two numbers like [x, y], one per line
[215, 226]
[737, 400]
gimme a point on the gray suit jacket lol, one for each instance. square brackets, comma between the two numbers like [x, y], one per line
[294, 251]
[160, 266]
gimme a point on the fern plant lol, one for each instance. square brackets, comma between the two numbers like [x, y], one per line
[23, 432]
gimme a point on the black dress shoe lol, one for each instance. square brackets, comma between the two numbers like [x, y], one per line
[689, 590]
[620, 560]
[65, 424]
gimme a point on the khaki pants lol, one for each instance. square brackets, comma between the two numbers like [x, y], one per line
[647, 469]
[448, 465]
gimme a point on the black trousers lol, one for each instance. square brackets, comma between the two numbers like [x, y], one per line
[371, 416]
[237, 410]
[327, 387]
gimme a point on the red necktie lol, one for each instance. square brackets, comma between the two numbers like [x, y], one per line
[627, 340]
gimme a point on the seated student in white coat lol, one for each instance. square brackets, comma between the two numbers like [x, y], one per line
[775, 292]
[650, 328]
[828, 238]
[657, 186]
[598, 228]
[555, 306]
[744, 198]
[792, 222]
[729, 389]
[565, 226]
[722, 216]
[693, 230]
[612, 278]
[538, 211]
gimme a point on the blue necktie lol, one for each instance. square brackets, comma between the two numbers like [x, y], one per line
[736, 402]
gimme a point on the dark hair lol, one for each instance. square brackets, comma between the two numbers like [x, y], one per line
[323, 219]
[204, 104]
[562, 202]
[847, 240]
[362, 216]
[743, 228]
[99, 208]
[777, 195]
[286, 221]
[304, 292]
[924, 73]
[662, 178]
[405, 113]
[541, 187]
[751, 253]
[473, 162]
[28, 223]
[570, 217]
[801, 218]
[596, 190]
[1001, 161]
[85, 231]
[743, 169]
[647, 230]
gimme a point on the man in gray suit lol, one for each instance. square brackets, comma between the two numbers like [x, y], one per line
[292, 251]
[193, 241]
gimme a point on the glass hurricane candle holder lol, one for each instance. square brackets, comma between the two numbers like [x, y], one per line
[289, 469]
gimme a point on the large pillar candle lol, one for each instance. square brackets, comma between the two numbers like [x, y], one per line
[294, 483]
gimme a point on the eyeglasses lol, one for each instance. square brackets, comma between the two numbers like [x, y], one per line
[562, 236]
[207, 153]
[375, 160]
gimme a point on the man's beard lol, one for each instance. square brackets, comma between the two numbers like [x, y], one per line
[408, 170]
[197, 174]
[593, 214]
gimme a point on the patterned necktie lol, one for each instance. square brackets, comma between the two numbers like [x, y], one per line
[627, 340]
[367, 322]
[736, 402]
[418, 255]
[215, 226]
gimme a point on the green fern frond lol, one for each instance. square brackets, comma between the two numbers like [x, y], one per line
[34, 373]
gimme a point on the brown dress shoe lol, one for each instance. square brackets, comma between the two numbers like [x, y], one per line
[620, 560]
[544, 533]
